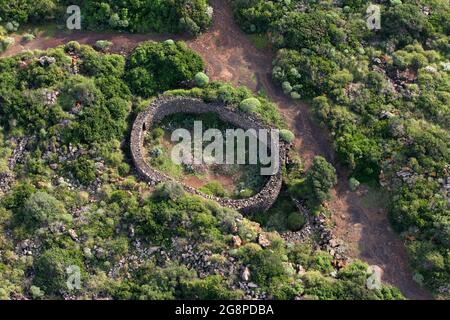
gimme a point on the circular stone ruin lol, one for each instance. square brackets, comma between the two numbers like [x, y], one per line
[166, 106]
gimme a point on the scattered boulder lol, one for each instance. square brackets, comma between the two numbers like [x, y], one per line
[245, 275]
[263, 241]
[386, 115]
[73, 234]
[335, 243]
[300, 270]
[237, 242]
[50, 97]
[45, 61]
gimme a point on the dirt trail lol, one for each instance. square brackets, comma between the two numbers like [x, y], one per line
[230, 56]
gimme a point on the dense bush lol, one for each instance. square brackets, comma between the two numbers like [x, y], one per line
[41, 208]
[83, 170]
[320, 178]
[250, 105]
[27, 10]
[133, 16]
[201, 79]
[5, 43]
[152, 15]
[102, 45]
[353, 184]
[169, 190]
[296, 221]
[214, 188]
[156, 67]
[51, 270]
[287, 135]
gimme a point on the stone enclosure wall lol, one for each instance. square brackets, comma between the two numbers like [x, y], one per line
[166, 106]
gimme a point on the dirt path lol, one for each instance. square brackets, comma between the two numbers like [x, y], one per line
[230, 56]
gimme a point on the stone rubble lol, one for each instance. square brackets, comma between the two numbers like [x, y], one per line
[317, 225]
[7, 178]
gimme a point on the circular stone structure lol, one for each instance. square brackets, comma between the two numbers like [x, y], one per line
[165, 106]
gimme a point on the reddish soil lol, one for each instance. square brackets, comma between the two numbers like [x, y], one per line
[227, 182]
[360, 220]
[194, 182]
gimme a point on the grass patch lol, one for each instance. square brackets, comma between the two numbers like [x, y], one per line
[260, 41]
[223, 180]
[46, 31]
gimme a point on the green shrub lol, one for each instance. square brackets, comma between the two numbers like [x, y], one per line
[320, 287]
[41, 208]
[5, 43]
[301, 254]
[250, 105]
[201, 79]
[267, 267]
[296, 221]
[246, 193]
[287, 135]
[321, 177]
[189, 25]
[155, 134]
[353, 184]
[156, 67]
[280, 289]
[36, 292]
[295, 95]
[321, 261]
[210, 288]
[287, 88]
[12, 26]
[72, 46]
[169, 190]
[102, 45]
[83, 169]
[214, 188]
[247, 250]
[51, 269]
[28, 37]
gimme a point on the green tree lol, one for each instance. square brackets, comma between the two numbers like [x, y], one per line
[321, 177]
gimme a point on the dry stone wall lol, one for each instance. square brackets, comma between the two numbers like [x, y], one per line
[166, 106]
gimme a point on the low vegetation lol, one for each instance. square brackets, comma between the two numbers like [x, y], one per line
[222, 180]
